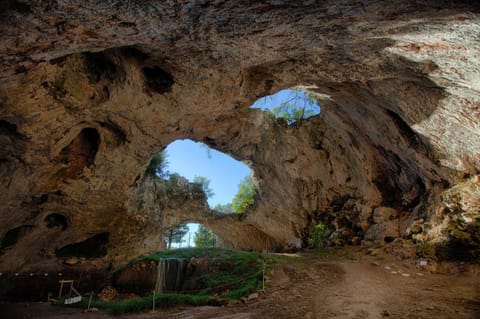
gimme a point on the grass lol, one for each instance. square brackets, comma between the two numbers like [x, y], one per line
[234, 274]
[145, 303]
[325, 254]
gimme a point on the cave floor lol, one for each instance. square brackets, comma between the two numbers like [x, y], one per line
[340, 285]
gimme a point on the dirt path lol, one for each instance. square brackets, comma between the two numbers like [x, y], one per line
[314, 287]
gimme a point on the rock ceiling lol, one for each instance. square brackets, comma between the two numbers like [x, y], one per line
[90, 90]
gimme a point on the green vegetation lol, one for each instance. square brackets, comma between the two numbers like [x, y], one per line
[175, 235]
[158, 166]
[245, 195]
[298, 107]
[231, 275]
[226, 209]
[319, 233]
[294, 105]
[204, 183]
[144, 303]
[204, 238]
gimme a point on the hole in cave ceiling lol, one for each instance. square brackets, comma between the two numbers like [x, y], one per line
[289, 104]
[220, 176]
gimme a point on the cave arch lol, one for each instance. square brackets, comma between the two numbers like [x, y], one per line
[399, 130]
[216, 173]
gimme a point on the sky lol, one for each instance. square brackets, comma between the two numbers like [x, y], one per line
[190, 159]
[296, 98]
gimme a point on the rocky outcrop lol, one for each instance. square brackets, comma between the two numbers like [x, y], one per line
[89, 91]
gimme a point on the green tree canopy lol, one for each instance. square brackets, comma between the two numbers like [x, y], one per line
[226, 209]
[300, 106]
[244, 196]
[205, 184]
[204, 238]
[175, 235]
[158, 166]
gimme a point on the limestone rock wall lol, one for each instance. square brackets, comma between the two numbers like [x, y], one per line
[90, 90]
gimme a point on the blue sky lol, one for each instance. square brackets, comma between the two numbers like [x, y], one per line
[296, 98]
[191, 159]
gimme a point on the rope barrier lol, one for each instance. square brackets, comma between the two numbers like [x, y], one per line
[31, 274]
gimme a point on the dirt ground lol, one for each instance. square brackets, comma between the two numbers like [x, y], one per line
[316, 286]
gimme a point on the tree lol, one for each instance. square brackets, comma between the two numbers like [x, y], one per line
[244, 196]
[204, 238]
[291, 105]
[300, 106]
[226, 209]
[175, 235]
[204, 183]
[158, 166]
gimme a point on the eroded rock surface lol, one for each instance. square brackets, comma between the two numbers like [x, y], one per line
[90, 90]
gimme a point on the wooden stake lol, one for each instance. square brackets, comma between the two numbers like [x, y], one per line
[263, 276]
[61, 288]
[153, 301]
[89, 301]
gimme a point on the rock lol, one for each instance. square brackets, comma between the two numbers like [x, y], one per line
[384, 232]
[356, 241]
[309, 315]
[83, 110]
[252, 296]
[71, 261]
[92, 309]
[233, 303]
[384, 214]
[340, 237]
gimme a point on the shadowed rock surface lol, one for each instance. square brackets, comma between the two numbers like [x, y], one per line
[89, 91]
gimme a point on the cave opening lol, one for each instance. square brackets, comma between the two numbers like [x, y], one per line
[190, 235]
[291, 105]
[226, 182]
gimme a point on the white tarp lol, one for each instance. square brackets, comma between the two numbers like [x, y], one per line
[69, 301]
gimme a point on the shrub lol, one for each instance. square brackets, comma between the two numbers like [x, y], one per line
[319, 234]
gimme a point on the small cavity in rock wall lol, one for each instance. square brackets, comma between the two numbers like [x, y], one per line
[158, 80]
[56, 220]
[93, 247]
[80, 153]
[14, 235]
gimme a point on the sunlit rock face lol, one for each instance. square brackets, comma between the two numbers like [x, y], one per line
[90, 90]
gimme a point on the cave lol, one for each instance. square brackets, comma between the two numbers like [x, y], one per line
[89, 92]
[92, 247]
[56, 220]
[14, 235]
